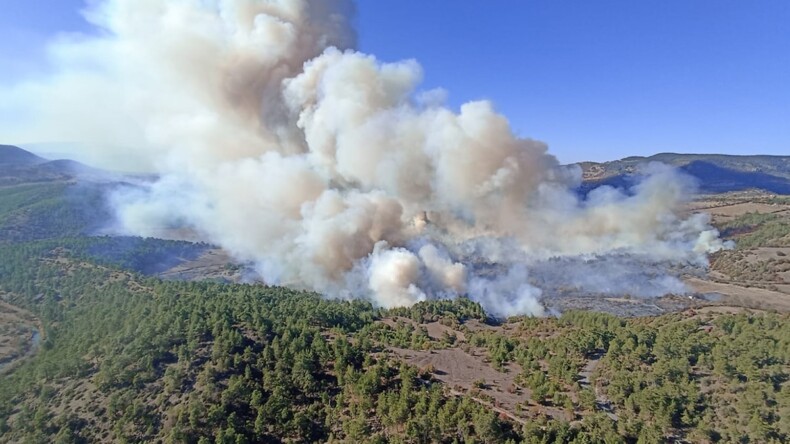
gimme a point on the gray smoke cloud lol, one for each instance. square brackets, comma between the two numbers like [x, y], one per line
[330, 170]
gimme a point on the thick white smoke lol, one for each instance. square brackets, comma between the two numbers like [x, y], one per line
[327, 168]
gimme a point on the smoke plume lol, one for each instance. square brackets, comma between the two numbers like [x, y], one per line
[330, 170]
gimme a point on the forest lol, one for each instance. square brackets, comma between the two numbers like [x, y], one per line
[127, 357]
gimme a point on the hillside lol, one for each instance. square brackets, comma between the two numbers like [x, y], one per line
[94, 347]
[12, 156]
[716, 173]
[18, 166]
[129, 359]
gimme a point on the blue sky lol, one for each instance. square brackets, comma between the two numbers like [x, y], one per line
[25, 28]
[596, 80]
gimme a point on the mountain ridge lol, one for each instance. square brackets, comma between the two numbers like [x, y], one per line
[18, 165]
[715, 172]
[13, 155]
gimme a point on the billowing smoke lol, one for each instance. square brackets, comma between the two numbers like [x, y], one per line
[330, 170]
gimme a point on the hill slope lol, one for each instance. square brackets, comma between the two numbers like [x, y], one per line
[97, 352]
[18, 166]
[129, 359]
[15, 156]
[715, 172]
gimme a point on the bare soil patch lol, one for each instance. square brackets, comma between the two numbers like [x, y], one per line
[723, 208]
[435, 330]
[768, 253]
[461, 371]
[739, 209]
[732, 294]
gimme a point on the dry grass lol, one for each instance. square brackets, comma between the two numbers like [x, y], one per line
[736, 295]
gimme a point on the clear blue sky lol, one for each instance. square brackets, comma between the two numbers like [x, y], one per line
[596, 79]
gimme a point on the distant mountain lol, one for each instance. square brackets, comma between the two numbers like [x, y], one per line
[15, 156]
[21, 166]
[72, 168]
[716, 172]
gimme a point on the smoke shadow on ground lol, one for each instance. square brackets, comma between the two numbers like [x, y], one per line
[711, 178]
[148, 256]
[716, 179]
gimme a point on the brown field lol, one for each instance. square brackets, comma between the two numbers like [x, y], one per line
[736, 295]
[754, 278]
[729, 212]
[726, 207]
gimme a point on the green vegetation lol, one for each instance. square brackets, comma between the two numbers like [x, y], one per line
[761, 258]
[699, 378]
[759, 230]
[225, 363]
[143, 255]
[719, 379]
[128, 358]
[749, 221]
[747, 269]
[131, 359]
[49, 210]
